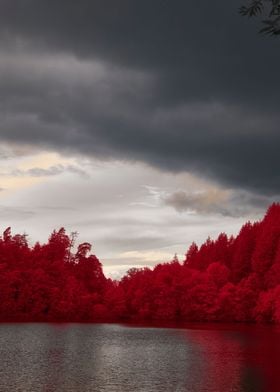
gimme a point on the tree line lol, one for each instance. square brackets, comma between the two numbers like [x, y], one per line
[229, 279]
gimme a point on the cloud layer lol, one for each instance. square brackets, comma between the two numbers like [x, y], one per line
[177, 85]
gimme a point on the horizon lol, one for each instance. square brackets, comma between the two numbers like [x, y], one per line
[180, 258]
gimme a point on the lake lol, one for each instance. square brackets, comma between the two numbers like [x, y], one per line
[119, 358]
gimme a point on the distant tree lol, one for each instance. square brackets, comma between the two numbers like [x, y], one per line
[7, 235]
[218, 274]
[269, 10]
[191, 254]
[83, 250]
[242, 252]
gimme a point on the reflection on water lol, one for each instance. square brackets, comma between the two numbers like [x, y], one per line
[238, 357]
[75, 357]
[223, 355]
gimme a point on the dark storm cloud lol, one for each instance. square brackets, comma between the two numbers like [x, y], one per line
[180, 85]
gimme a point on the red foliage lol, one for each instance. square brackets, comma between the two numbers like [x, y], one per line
[227, 279]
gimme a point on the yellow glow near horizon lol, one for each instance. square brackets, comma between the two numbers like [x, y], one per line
[149, 256]
[43, 160]
[12, 183]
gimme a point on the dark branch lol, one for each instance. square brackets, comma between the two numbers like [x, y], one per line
[269, 10]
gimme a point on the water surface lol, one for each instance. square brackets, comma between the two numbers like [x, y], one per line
[116, 358]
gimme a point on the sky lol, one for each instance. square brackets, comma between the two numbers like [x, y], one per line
[142, 125]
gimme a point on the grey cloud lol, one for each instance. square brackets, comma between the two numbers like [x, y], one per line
[56, 208]
[51, 171]
[15, 213]
[139, 242]
[172, 84]
[232, 204]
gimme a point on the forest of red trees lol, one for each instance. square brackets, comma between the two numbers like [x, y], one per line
[227, 279]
